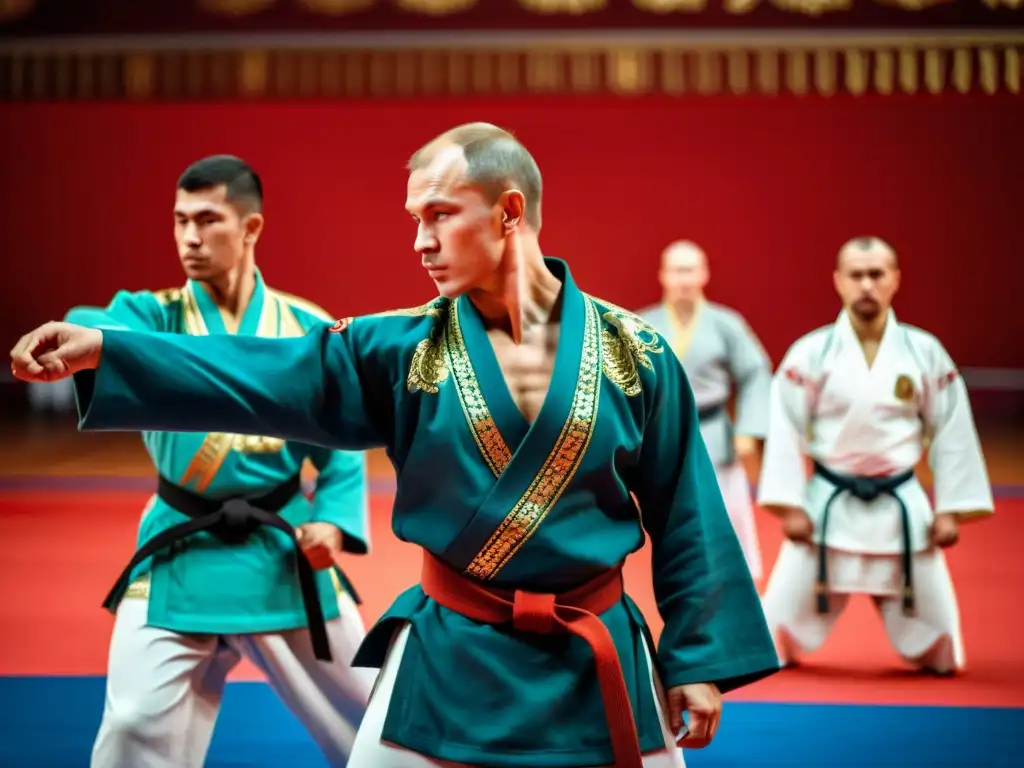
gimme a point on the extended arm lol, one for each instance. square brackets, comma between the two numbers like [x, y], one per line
[342, 496]
[134, 311]
[955, 455]
[309, 389]
[715, 631]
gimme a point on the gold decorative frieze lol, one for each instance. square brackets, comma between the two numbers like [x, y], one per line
[235, 7]
[986, 64]
[336, 7]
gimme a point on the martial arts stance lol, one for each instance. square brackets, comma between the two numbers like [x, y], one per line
[862, 398]
[200, 601]
[521, 415]
[720, 354]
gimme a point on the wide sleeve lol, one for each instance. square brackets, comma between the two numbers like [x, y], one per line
[751, 369]
[313, 389]
[127, 310]
[342, 496]
[955, 456]
[715, 630]
[783, 478]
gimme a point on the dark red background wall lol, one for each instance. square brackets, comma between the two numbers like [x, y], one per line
[771, 188]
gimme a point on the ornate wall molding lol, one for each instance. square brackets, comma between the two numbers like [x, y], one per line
[25, 18]
[510, 65]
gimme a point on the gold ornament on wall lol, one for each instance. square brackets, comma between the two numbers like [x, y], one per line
[671, 6]
[813, 7]
[740, 6]
[913, 5]
[574, 7]
[986, 64]
[335, 7]
[436, 7]
[235, 7]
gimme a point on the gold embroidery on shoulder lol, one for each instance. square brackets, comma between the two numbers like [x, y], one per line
[167, 296]
[432, 308]
[558, 469]
[291, 300]
[481, 423]
[428, 369]
[630, 346]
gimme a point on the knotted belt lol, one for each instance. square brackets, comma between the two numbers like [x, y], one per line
[866, 489]
[574, 612]
[232, 521]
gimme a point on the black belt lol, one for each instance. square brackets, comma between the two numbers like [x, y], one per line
[233, 521]
[865, 489]
[710, 412]
[713, 412]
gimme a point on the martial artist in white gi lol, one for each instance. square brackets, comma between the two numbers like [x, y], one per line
[720, 354]
[863, 399]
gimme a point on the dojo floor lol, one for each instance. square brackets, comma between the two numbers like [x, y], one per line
[69, 505]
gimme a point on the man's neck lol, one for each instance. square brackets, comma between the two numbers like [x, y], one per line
[871, 329]
[525, 295]
[232, 291]
[685, 309]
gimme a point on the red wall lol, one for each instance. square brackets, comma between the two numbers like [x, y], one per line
[770, 187]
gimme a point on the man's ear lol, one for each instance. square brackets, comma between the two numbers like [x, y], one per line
[513, 209]
[253, 227]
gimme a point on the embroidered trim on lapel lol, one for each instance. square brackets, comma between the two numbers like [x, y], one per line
[560, 466]
[167, 296]
[191, 315]
[207, 461]
[481, 423]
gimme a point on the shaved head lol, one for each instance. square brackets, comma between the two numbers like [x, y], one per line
[683, 273]
[869, 245]
[494, 161]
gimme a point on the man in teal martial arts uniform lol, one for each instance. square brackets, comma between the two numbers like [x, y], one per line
[191, 603]
[537, 433]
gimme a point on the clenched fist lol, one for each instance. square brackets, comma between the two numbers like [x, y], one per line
[320, 543]
[797, 525]
[55, 351]
[945, 530]
[703, 702]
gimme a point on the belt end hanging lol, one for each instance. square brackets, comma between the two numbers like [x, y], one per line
[909, 602]
[821, 591]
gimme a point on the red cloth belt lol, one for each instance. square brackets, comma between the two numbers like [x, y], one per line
[574, 612]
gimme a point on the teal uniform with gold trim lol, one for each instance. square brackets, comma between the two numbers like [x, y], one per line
[615, 452]
[203, 586]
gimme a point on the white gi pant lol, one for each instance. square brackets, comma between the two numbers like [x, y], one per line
[164, 689]
[735, 488]
[930, 639]
[371, 752]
